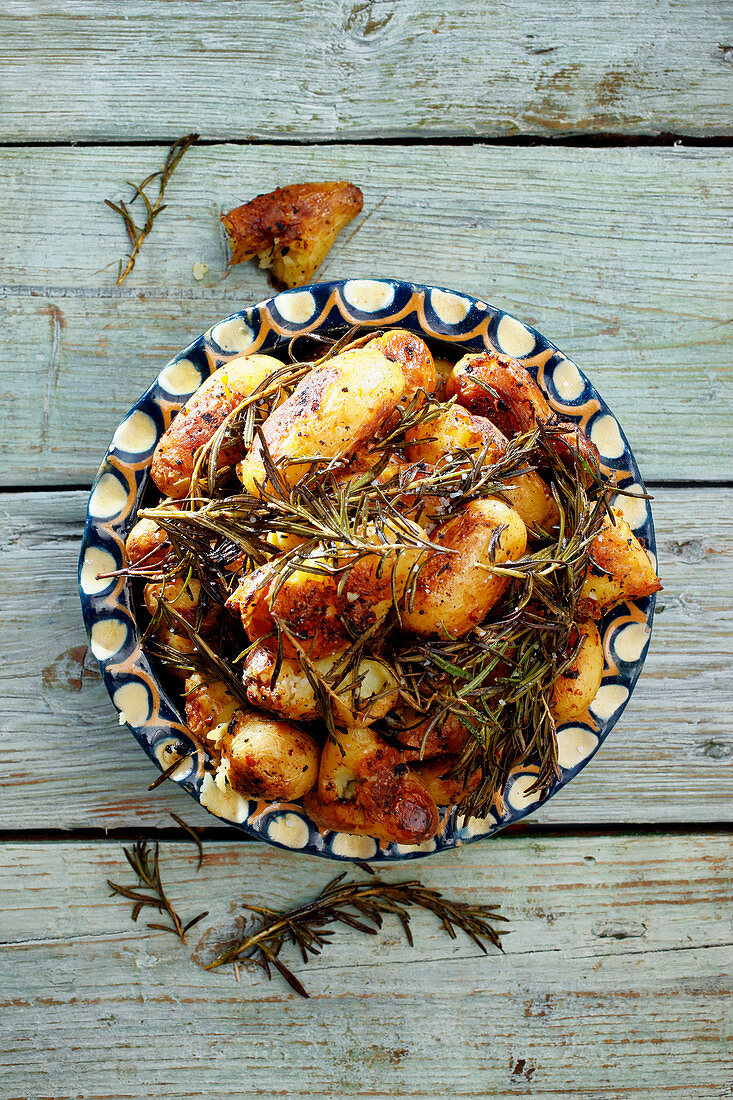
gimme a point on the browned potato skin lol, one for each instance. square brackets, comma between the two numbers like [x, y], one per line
[446, 738]
[577, 687]
[415, 358]
[203, 413]
[292, 229]
[453, 430]
[266, 758]
[331, 412]
[517, 403]
[454, 592]
[307, 604]
[384, 799]
[147, 544]
[269, 758]
[445, 789]
[620, 568]
[209, 703]
[292, 695]
[459, 429]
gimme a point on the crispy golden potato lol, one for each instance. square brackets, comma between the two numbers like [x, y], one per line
[261, 756]
[291, 230]
[457, 429]
[359, 700]
[513, 400]
[185, 599]
[444, 788]
[365, 788]
[577, 687]
[455, 591]
[415, 358]
[330, 413]
[203, 413]
[147, 544]
[620, 568]
[417, 740]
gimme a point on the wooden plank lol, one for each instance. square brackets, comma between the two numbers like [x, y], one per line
[67, 764]
[369, 68]
[615, 980]
[615, 254]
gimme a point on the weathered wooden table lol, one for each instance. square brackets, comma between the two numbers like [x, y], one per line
[569, 161]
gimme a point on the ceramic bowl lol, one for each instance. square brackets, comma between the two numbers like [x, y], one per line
[463, 324]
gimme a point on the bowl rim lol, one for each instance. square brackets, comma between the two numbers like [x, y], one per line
[441, 314]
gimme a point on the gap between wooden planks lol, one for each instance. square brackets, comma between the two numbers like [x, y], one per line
[67, 764]
[615, 981]
[369, 68]
[615, 254]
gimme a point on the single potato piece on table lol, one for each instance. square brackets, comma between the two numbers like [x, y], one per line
[578, 686]
[261, 756]
[198, 420]
[365, 788]
[456, 590]
[361, 699]
[619, 568]
[291, 230]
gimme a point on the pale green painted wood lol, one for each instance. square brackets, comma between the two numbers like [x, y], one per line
[67, 763]
[616, 979]
[363, 68]
[617, 255]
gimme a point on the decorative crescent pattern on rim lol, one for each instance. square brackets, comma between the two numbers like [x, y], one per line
[143, 703]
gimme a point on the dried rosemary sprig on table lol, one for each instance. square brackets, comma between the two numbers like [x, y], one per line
[358, 905]
[144, 858]
[138, 234]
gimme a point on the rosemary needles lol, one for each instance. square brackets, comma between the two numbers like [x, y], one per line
[136, 233]
[358, 905]
[144, 858]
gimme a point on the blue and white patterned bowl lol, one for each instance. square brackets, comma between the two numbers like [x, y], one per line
[463, 324]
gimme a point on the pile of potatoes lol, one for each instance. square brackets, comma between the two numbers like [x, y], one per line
[357, 781]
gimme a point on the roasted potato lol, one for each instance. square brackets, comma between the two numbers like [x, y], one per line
[445, 789]
[185, 598]
[456, 590]
[146, 545]
[195, 424]
[360, 699]
[619, 570]
[261, 756]
[330, 413]
[364, 787]
[577, 687]
[505, 391]
[291, 230]
[421, 740]
[457, 429]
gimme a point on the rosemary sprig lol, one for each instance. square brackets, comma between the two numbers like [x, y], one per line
[144, 860]
[138, 234]
[361, 906]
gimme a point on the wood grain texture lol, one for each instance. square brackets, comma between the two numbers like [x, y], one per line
[67, 764]
[616, 255]
[615, 982]
[362, 68]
